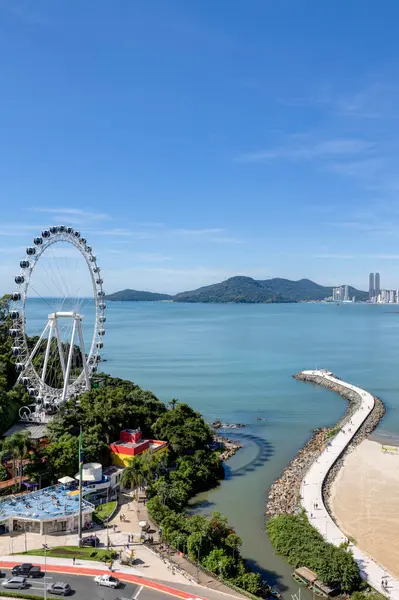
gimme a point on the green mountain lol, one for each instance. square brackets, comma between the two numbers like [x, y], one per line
[135, 296]
[246, 289]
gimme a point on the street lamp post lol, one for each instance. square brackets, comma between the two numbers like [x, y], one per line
[107, 519]
[45, 567]
[198, 558]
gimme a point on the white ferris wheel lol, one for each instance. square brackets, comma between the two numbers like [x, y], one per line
[51, 291]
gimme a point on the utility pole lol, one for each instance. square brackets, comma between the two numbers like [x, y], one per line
[45, 568]
[107, 519]
[198, 559]
[80, 489]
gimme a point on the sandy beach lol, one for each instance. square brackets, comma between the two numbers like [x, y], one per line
[365, 499]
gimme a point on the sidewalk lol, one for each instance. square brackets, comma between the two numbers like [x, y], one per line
[311, 491]
[135, 511]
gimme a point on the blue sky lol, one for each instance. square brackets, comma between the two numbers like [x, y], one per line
[192, 141]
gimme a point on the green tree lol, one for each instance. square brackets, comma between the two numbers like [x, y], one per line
[184, 429]
[251, 582]
[172, 403]
[62, 457]
[15, 447]
[234, 542]
[294, 537]
[218, 561]
[3, 473]
[133, 476]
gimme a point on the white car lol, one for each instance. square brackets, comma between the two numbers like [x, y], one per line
[107, 581]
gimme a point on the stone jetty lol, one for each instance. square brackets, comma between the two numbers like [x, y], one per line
[284, 495]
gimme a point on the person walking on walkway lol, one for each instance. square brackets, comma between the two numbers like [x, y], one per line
[73, 561]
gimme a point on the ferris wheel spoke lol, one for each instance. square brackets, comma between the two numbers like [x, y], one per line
[50, 270]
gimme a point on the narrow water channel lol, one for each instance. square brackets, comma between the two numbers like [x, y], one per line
[241, 497]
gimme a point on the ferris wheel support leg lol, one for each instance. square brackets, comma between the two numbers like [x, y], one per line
[49, 340]
[35, 349]
[69, 363]
[60, 350]
[82, 350]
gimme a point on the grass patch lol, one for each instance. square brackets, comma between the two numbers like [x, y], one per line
[103, 511]
[333, 432]
[88, 553]
[20, 594]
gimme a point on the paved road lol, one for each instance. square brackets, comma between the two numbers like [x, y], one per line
[311, 489]
[84, 588]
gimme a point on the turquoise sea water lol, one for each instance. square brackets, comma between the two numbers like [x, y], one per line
[235, 362]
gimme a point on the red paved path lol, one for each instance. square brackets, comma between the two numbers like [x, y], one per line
[71, 570]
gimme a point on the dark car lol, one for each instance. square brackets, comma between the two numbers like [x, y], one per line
[59, 589]
[91, 540]
[35, 571]
[23, 569]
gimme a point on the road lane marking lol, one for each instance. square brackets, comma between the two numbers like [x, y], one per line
[138, 592]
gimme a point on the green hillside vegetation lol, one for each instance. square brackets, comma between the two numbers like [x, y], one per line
[137, 296]
[248, 290]
[243, 290]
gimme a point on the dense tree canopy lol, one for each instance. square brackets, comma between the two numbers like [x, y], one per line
[294, 537]
[212, 542]
[184, 429]
[11, 399]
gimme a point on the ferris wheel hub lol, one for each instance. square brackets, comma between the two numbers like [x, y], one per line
[70, 314]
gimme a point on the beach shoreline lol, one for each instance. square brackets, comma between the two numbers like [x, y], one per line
[363, 500]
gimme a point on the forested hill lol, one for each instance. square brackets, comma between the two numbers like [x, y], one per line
[246, 289]
[134, 295]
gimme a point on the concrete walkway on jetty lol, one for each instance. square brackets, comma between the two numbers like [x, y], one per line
[312, 484]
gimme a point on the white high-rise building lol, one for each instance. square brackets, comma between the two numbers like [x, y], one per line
[392, 296]
[397, 296]
[346, 293]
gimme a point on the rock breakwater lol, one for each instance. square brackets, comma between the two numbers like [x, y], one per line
[284, 495]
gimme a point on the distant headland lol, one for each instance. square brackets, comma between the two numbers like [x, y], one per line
[243, 289]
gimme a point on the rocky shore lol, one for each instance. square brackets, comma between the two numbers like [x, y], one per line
[230, 447]
[284, 494]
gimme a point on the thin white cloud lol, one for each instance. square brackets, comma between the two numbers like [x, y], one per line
[300, 148]
[373, 98]
[73, 213]
[151, 257]
[215, 235]
[197, 232]
[128, 233]
[334, 256]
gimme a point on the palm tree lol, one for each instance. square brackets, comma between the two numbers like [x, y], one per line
[21, 446]
[16, 447]
[172, 403]
[133, 475]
